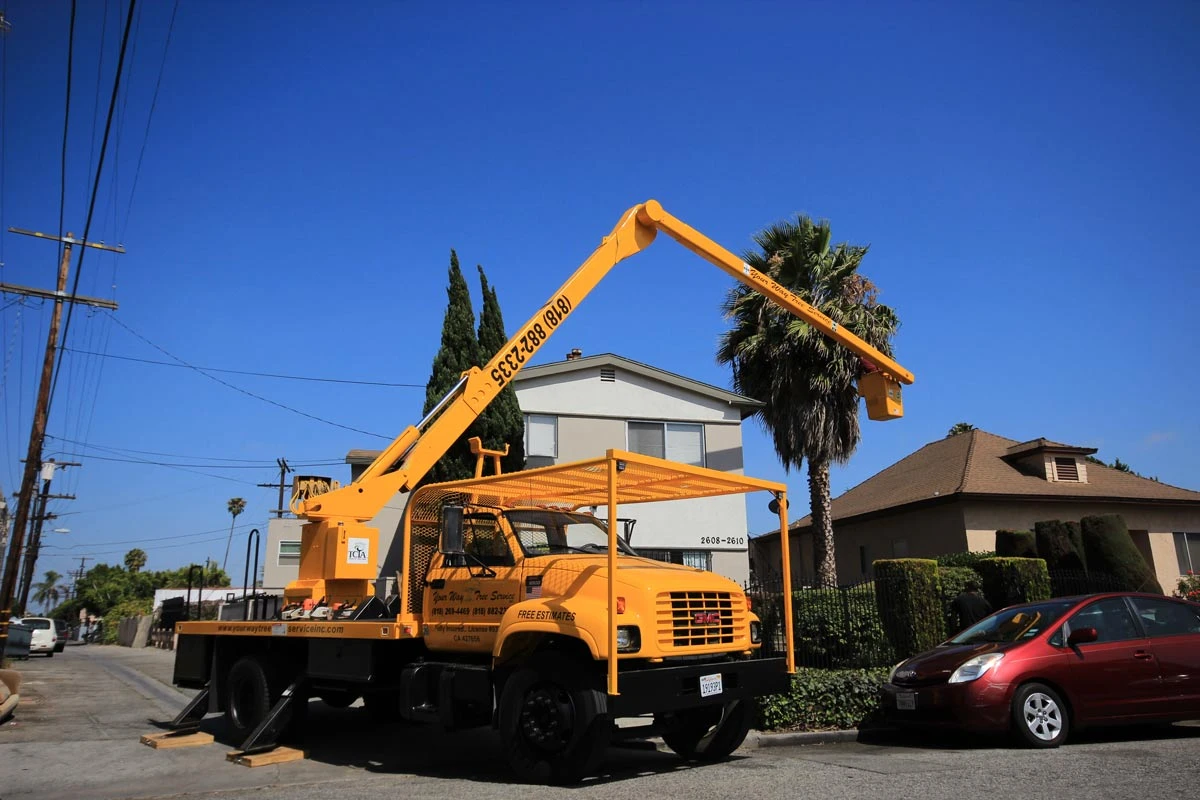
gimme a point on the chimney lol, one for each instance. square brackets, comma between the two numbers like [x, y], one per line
[575, 354]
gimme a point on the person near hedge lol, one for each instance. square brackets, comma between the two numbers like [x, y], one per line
[970, 606]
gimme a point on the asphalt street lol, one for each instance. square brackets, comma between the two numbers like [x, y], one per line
[76, 734]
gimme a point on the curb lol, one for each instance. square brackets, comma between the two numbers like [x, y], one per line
[760, 739]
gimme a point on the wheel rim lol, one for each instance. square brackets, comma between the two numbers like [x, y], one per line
[1043, 716]
[547, 719]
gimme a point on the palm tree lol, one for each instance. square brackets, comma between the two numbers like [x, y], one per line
[959, 427]
[806, 380]
[47, 592]
[235, 506]
[135, 559]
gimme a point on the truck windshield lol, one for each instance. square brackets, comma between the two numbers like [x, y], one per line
[543, 532]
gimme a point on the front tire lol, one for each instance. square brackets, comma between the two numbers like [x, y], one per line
[709, 733]
[1040, 716]
[554, 720]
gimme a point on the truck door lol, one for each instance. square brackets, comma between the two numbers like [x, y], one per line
[468, 593]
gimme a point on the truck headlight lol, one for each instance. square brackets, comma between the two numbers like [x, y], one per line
[629, 639]
[755, 631]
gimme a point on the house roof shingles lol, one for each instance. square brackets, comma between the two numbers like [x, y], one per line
[974, 463]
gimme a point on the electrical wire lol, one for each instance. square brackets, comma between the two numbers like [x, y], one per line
[62, 192]
[149, 119]
[245, 391]
[96, 102]
[243, 526]
[307, 462]
[87, 227]
[251, 372]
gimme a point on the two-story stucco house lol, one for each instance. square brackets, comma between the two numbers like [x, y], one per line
[579, 408]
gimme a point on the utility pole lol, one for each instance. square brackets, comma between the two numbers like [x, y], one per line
[284, 469]
[3, 524]
[37, 434]
[35, 541]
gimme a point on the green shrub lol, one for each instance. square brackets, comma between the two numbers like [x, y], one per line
[1109, 549]
[823, 699]
[968, 559]
[908, 593]
[1060, 544]
[1015, 544]
[839, 628]
[125, 608]
[1007, 581]
[954, 582]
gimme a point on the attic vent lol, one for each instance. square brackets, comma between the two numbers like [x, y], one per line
[1065, 469]
[608, 374]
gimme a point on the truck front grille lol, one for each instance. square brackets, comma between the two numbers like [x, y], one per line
[699, 619]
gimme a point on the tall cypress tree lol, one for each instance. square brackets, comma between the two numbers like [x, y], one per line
[458, 353]
[502, 421]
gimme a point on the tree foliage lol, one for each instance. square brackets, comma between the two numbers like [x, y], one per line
[135, 559]
[501, 422]
[959, 427]
[106, 586]
[235, 507]
[459, 352]
[807, 381]
[47, 592]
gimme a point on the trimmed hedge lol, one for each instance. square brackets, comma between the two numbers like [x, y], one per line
[1007, 581]
[824, 699]
[1015, 544]
[839, 628]
[1060, 543]
[954, 582]
[1109, 549]
[968, 559]
[908, 592]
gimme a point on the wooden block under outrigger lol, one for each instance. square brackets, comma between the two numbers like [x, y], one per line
[279, 755]
[161, 741]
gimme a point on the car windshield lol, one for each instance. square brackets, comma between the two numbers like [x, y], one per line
[37, 624]
[543, 532]
[1014, 624]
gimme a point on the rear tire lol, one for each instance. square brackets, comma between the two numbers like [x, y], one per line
[709, 733]
[248, 696]
[554, 720]
[1039, 716]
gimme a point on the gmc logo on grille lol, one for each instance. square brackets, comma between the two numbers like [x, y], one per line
[707, 618]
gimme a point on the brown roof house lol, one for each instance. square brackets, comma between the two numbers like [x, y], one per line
[954, 494]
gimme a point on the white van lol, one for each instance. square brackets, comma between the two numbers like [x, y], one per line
[45, 635]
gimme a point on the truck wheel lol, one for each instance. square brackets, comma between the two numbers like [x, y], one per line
[248, 695]
[382, 707]
[554, 720]
[709, 733]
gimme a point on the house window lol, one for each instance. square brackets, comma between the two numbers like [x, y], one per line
[1187, 551]
[289, 552]
[701, 559]
[674, 441]
[1065, 469]
[863, 561]
[541, 435]
[899, 548]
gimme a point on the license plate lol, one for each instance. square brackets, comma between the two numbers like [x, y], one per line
[906, 701]
[710, 685]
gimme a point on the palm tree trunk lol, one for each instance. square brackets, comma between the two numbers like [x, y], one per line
[824, 553]
[228, 542]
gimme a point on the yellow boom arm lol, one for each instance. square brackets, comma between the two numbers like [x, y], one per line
[414, 452]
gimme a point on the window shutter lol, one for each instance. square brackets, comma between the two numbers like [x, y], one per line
[541, 434]
[1065, 469]
[685, 443]
[647, 438]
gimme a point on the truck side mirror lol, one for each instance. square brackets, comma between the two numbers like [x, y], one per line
[452, 531]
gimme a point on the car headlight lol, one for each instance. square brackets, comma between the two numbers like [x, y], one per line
[629, 639]
[892, 674]
[755, 632]
[974, 668]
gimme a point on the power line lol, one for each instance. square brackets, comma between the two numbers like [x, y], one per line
[205, 466]
[87, 226]
[149, 119]
[245, 391]
[62, 191]
[250, 372]
[154, 538]
[305, 462]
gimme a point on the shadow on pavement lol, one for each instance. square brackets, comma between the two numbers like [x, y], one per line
[349, 738]
[944, 739]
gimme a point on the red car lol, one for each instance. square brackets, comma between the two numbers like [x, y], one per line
[1040, 669]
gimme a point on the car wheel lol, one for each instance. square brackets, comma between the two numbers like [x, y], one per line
[1040, 716]
[709, 733]
[553, 717]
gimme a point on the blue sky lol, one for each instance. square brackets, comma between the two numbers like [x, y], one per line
[1025, 174]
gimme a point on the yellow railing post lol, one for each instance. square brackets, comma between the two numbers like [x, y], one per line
[612, 574]
[787, 583]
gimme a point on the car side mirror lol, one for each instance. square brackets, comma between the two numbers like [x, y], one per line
[452, 531]
[1082, 636]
